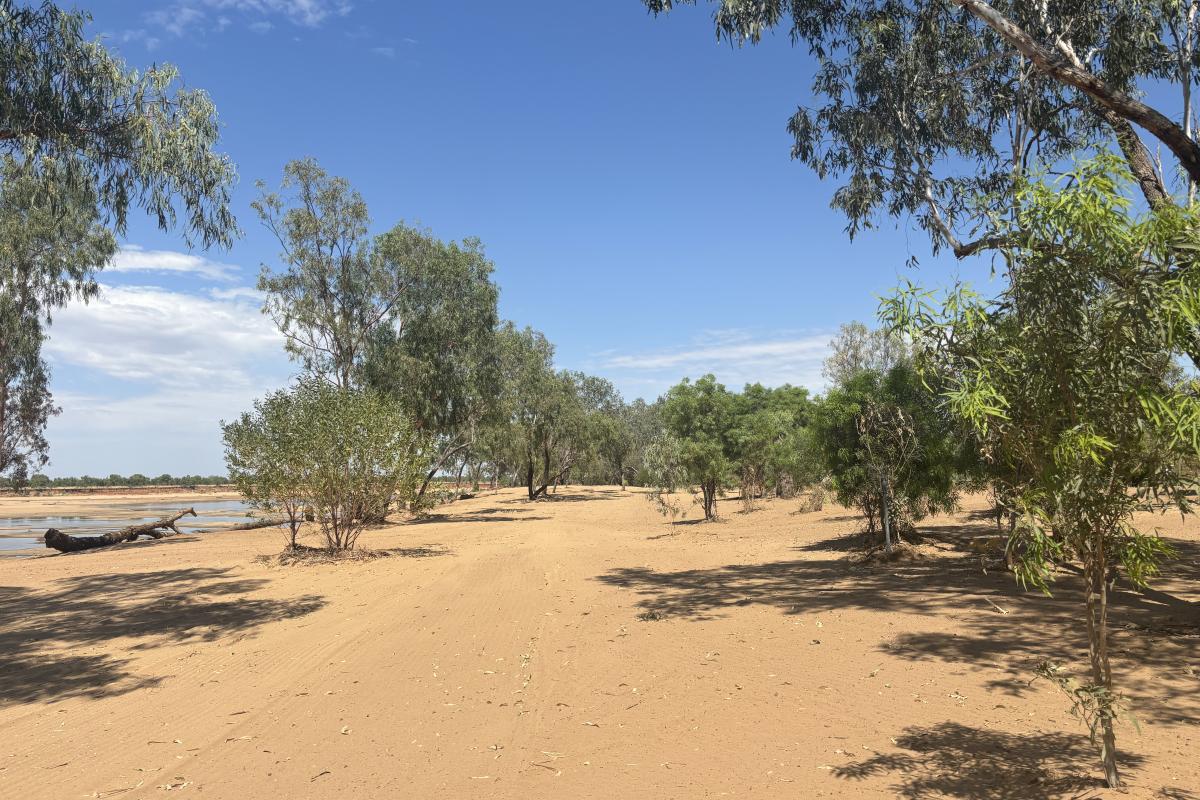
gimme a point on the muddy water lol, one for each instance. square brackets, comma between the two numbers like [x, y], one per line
[25, 533]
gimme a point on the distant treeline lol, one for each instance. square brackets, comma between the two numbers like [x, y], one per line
[136, 479]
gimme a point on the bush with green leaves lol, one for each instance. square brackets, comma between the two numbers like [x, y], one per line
[1069, 381]
[346, 454]
[267, 456]
[884, 439]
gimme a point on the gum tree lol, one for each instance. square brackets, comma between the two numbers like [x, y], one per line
[83, 140]
[1069, 381]
[439, 356]
[699, 417]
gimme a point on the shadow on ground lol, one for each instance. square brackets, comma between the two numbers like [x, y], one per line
[954, 760]
[478, 515]
[1148, 631]
[44, 635]
[571, 497]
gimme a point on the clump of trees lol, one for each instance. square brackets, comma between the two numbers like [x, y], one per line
[339, 456]
[713, 439]
[414, 319]
[40, 481]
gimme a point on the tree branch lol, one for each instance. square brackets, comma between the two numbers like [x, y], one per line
[1060, 68]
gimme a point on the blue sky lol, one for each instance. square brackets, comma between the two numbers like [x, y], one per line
[629, 176]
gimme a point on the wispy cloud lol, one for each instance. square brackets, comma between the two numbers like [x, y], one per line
[184, 17]
[736, 357]
[132, 258]
[386, 52]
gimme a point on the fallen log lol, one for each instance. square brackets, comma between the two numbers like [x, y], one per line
[249, 526]
[65, 543]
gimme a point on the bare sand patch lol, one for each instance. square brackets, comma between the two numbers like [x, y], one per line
[574, 648]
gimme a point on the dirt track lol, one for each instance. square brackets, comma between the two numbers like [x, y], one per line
[576, 648]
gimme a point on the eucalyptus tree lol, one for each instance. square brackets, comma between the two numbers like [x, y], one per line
[334, 291]
[857, 348]
[699, 417]
[908, 91]
[1069, 381]
[402, 312]
[439, 355]
[766, 439]
[83, 140]
[532, 398]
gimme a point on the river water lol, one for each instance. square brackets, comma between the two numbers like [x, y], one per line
[23, 533]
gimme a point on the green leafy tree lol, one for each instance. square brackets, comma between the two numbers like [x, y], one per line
[439, 358]
[700, 417]
[905, 92]
[334, 291]
[541, 409]
[889, 426]
[1069, 381]
[83, 139]
[766, 440]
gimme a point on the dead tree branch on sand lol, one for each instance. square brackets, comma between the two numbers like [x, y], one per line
[65, 543]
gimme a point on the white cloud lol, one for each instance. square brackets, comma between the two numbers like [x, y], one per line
[162, 369]
[238, 293]
[132, 258]
[177, 19]
[185, 16]
[164, 338]
[736, 357]
[386, 52]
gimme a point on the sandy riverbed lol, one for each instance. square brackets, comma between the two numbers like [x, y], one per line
[575, 648]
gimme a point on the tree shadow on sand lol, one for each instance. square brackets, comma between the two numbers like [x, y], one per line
[955, 760]
[42, 633]
[1026, 629]
[478, 515]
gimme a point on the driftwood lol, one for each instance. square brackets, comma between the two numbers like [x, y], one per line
[251, 525]
[65, 543]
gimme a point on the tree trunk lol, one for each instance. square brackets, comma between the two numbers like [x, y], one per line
[65, 543]
[438, 465]
[1097, 628]
[709, 491]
